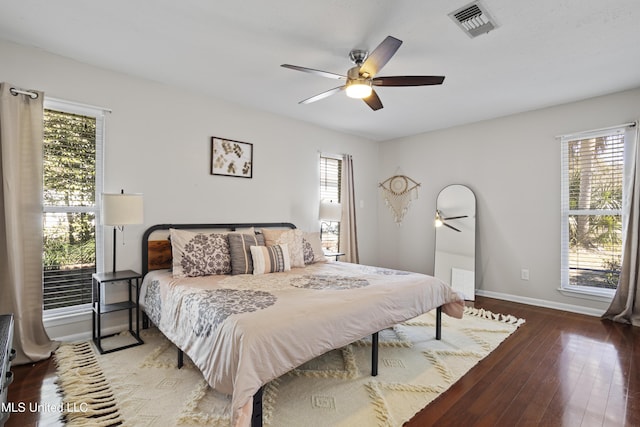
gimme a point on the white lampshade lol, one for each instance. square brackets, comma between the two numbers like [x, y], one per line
[122, 209]
[330, 211]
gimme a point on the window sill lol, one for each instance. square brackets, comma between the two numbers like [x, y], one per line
[64, 316]
[601, 295]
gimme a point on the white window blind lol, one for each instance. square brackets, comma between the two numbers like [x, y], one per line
[330, 178]
[592, 199]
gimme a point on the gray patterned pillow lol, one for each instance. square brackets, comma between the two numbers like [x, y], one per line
[199, 254]
[239, 244]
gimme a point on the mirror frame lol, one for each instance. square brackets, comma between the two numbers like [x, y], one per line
[455, 240]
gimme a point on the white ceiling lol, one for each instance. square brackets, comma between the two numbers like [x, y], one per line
[543, 52]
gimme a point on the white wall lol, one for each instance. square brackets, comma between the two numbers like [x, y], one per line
[513, 166]
[158, 143]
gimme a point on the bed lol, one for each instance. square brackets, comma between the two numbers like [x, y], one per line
[243, 330]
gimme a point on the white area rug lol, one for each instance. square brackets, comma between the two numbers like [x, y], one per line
[335, 389]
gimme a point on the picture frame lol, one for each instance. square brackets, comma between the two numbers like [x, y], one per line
[231, 158]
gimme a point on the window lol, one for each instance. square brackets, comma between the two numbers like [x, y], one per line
[330, 184]
[592, 208]
[72, 184]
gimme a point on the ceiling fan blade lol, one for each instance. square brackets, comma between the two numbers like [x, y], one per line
[322, 95]
[312, 71]
[407, 80]
[380, 56]
[373, 101]
[456, 217]
[451, 227]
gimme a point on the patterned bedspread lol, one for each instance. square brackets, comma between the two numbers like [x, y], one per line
[243, 331]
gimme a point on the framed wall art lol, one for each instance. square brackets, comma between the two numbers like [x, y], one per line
[231, 158]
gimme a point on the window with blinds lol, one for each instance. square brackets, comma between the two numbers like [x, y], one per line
[592, 194]
[330, 178]
[72, 160]
[330, 184]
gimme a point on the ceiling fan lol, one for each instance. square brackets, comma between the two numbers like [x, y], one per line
[361, 78]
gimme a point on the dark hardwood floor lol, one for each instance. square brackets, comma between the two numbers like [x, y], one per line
[558, 369]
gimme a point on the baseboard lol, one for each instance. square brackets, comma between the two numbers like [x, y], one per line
[541, 303]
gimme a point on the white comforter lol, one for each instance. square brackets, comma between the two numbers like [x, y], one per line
[244, 331]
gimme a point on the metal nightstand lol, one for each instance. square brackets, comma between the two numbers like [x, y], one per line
[100, 308]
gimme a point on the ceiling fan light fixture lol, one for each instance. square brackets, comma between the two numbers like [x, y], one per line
[359, 90]
[438, 221]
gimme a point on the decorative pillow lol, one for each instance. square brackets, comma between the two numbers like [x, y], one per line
[312, 248]
[199, 254]
[293, 240]
[239, 245]
[270, 259]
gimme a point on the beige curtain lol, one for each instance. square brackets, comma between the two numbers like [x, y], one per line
[348, 229]
[21, 128]
[625, 306]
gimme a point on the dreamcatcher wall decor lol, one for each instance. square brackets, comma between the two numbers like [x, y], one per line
[398, 193]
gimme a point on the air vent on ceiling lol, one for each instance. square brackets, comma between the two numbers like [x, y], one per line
[473, 19]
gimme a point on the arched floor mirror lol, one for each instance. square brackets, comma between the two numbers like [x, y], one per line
[455, 250]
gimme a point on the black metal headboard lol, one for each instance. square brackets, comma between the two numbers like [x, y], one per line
[228, 227]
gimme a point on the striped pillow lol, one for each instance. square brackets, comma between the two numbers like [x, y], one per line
[239, 244]
[270, 259]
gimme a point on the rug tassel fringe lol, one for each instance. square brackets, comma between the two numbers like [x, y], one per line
[87, 398]
[505, 318]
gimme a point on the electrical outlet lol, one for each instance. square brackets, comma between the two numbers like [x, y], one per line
[524, 274]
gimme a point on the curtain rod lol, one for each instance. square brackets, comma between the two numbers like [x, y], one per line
[570, 135]
[34, 95]
[15, 91]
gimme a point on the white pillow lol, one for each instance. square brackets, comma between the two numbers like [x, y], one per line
[293, 240]
[312, 248]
